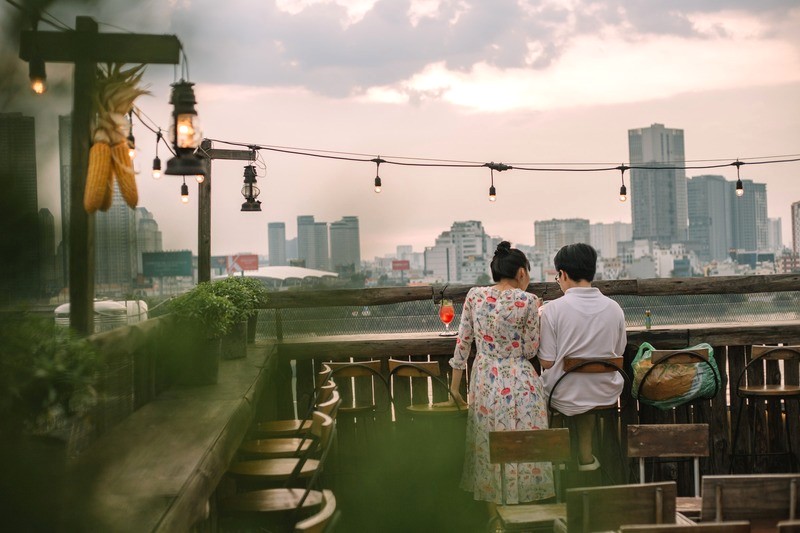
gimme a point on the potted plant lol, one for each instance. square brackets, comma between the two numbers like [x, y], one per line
[246, 295]
[201, 318]
[47, 387]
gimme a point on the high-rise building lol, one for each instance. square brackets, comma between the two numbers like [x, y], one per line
[604, 237]
[796, 228]
[710, 217]
[312, 242]
[276, 240]
[148, 236]
[461, 254]
[65, 171]
[749, 216]
[19, 209]
[774, 234]
[345, 245]
[48, 268]
[551, 235]
[659, 208]
[116, 251]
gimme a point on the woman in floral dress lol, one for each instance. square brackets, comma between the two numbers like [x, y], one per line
[505, 392]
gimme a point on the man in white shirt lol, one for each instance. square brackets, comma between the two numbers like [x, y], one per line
[583, 323]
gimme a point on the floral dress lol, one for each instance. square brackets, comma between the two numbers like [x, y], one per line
[505, 392]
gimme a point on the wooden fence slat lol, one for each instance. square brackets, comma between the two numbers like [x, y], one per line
[717, 417]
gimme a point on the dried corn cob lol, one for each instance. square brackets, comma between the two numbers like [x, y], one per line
[123, 170]
[98, 177]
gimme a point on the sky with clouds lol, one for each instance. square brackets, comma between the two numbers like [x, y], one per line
[522, 82]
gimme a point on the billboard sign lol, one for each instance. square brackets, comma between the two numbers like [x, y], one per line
[163, 264]
[240, 262]
[403, 264]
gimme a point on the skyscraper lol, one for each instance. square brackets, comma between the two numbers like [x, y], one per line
[710, 217]
[774, 234]
[276, 239]
[345, 245]
[659, 208]
[551, 235]
[116, 251]
[749, 216]
[460, 254]
[65, 162]
[48, 271]
[312, 242]
[19, 212]
[148, 236]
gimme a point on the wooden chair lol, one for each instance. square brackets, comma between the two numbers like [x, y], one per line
[773, 392]
[324, 521]
[284, 506]
[763, 499]
[410, 379]
[684, 357]
[608, 508]
[534, 446]
[258, 473]
[323, 389]
[603, 413]
[721, 527]
[274, 447]
[662, 441]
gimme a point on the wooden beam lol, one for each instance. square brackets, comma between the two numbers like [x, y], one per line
[66, 47]
[234, 155]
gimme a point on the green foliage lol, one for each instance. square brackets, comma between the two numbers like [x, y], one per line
[46, 372]
[246, 295]
[204, 310]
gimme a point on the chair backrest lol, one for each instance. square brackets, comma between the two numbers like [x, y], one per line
[412, 387]
[589, 366]
[323, 375]
[773, 353]
[750, 497]
[607, 508]
[360, 381]
[669, 440]
[324, 520]
[718, 527]
[331, 406]
[531, 446]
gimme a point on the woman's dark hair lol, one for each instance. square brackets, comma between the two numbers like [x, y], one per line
[507, 262]
[578, 260]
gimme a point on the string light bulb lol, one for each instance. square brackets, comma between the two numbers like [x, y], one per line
[377, 162]
[37, 75]
[739, 186]
[184, 192]
[492, 190]
[157, 160]
[199, 178]
[131, 140]
[623, 191]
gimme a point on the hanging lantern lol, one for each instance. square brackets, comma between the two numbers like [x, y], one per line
[184, 132]
[250, 191]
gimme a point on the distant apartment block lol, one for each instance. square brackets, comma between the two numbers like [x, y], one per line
[749, 216]
[148, 236]
[774, 234]
[276, 241]
[710, 217]
[658, 194]
[551, 235]
[345, 245]
[312, 242]
[461, 254]
[116, 251]
[19, 209]
[604, 237]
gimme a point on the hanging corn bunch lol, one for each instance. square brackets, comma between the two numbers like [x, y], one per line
[116, 90]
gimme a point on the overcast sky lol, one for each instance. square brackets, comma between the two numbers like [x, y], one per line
[519, 82]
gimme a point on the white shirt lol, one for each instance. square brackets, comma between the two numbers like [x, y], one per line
[582, 323]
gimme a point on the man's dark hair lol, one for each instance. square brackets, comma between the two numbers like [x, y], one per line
[578, 260]
[507, 262]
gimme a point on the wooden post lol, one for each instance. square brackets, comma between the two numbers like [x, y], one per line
[85, 47]
[81, 229]
[204, 219]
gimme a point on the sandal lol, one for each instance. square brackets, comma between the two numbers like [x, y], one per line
[594, 465]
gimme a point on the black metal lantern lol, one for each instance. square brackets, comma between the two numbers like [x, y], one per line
[184, 132]
[250, 191]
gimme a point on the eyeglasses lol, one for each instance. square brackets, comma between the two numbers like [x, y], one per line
[558, 276]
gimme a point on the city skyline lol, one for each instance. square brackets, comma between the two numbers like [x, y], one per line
[550, 95]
